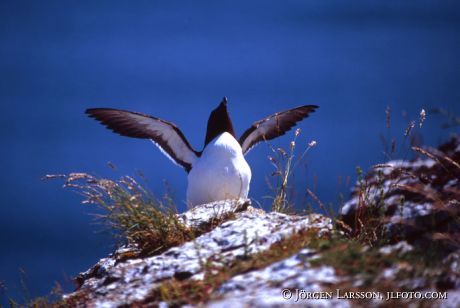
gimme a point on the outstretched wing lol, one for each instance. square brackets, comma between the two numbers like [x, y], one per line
[167, 136]
[273, 126]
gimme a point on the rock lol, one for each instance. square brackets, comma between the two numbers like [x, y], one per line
[241, 256]
[263, 288]
[418, 200]
[201, 216]
[116, 281]
[401, 248]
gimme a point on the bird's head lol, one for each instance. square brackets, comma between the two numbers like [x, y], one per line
[219, 122]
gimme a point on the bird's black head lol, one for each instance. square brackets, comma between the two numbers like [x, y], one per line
[219, 122]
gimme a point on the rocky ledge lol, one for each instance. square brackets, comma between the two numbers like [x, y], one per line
[416, 200]
[396, 243]
[119, 280]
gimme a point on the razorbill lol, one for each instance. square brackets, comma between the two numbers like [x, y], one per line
[217, 172]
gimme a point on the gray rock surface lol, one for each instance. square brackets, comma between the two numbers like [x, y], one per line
[418, 198]
[263, 288]
[113, 282]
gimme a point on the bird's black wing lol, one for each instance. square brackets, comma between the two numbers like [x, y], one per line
[273, 126]
[166, 135]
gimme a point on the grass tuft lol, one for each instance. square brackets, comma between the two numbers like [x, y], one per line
[153, 225]
[383, 193]
[284, 164]
[131, 211]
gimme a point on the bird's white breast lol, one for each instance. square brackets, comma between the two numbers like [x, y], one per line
[221, 172]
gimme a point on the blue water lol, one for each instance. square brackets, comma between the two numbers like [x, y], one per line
[176, 61]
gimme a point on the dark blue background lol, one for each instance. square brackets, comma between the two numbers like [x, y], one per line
[176, 60]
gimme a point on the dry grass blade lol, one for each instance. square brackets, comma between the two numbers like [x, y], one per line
[131, 211]
[422, 118]
[285, 165]
[436, 157]
[388, 116]
[409, 128]
[425, 152]
[318, 201]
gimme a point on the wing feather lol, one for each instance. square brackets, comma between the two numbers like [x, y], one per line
[165, 135]
[273, 126]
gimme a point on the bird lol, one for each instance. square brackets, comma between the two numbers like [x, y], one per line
[219, 171]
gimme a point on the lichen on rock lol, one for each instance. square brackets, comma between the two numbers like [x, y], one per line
[398, 233]
[133, 281]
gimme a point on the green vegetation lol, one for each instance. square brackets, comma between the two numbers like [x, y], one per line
[194, 292]
[285, 165]
[134, 215]
[53, 299]
[364, 268]
[354, 249]
[351, 259]
[132, 212]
